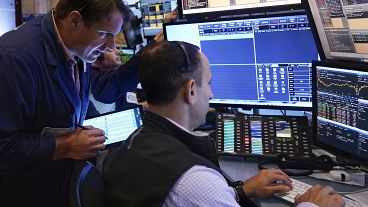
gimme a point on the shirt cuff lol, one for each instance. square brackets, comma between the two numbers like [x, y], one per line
[307, 204]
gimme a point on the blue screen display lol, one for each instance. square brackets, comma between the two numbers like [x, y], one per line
[263, 62]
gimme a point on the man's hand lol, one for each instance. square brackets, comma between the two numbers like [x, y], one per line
[266, 183]
[169, 17]
[80, 145]
[321, 196]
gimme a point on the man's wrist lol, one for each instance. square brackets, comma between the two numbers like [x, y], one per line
[247, 190]
[61, 148]
[240, 193]
[240, 196]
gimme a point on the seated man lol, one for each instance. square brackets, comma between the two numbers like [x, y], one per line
[164, 163]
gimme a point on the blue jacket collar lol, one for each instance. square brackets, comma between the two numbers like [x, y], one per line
[49, 36]
[55, 58]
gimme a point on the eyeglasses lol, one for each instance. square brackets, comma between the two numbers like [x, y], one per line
[188, 64]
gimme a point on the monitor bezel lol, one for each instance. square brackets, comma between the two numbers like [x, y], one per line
[246, 106]
[140, 108]
[312, 25]
[332, 64]
[323, 46]
[251, 10]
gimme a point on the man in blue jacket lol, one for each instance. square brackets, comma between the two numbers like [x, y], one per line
[44, 94]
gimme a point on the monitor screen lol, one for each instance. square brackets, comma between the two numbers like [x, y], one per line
[154, 13]
[263, 62]
[341, 106]
[117, 125]
[342, 27]
[218, 8]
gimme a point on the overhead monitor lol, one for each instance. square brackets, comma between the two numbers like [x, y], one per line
[154, 13]
[256, 63]
[204, 8]
[342, 27]
[341, 108]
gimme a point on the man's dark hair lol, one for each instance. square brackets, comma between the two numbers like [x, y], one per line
[165, 67]
[92, 11]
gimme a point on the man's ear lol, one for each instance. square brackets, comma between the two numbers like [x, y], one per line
[190, 91]
[75, 20]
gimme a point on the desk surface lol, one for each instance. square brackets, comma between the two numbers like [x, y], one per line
[239, 168]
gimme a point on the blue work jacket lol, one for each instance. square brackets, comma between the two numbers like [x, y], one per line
[37, 91]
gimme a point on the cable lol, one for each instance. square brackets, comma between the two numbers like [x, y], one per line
[364, 170]
[283, 112]
[347, 166]
[234, 111]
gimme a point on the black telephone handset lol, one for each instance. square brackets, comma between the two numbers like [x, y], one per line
[323, 162]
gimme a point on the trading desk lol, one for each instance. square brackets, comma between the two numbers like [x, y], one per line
[239, 168]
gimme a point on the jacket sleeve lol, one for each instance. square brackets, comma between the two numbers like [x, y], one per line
[109, 86]
[21, 152]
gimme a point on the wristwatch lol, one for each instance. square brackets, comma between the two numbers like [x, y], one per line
[239, 192]
[240, 196]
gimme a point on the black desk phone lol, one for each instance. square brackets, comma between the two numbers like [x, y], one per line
[246, 135]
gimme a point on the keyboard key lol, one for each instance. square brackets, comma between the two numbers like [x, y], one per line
[301, 187]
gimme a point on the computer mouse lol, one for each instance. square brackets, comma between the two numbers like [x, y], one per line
[339, 175]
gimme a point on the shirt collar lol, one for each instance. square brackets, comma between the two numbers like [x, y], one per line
[195, 133]
[68, 54]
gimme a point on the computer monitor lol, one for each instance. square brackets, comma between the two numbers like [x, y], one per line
[342, 27]
[153, 14]
[263, 62]
[132, 32]
[341, 108]
[205, 8]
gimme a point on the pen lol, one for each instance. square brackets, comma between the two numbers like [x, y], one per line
[81, 126]
[85, 128]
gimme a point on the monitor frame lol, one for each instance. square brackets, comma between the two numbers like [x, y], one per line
[332, 64]
[233, 11]
[321, 38]
[139, 107]
[132, 32]
[247, 106]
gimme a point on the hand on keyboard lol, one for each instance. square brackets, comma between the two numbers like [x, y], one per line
[321, 196]
[263, 184]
